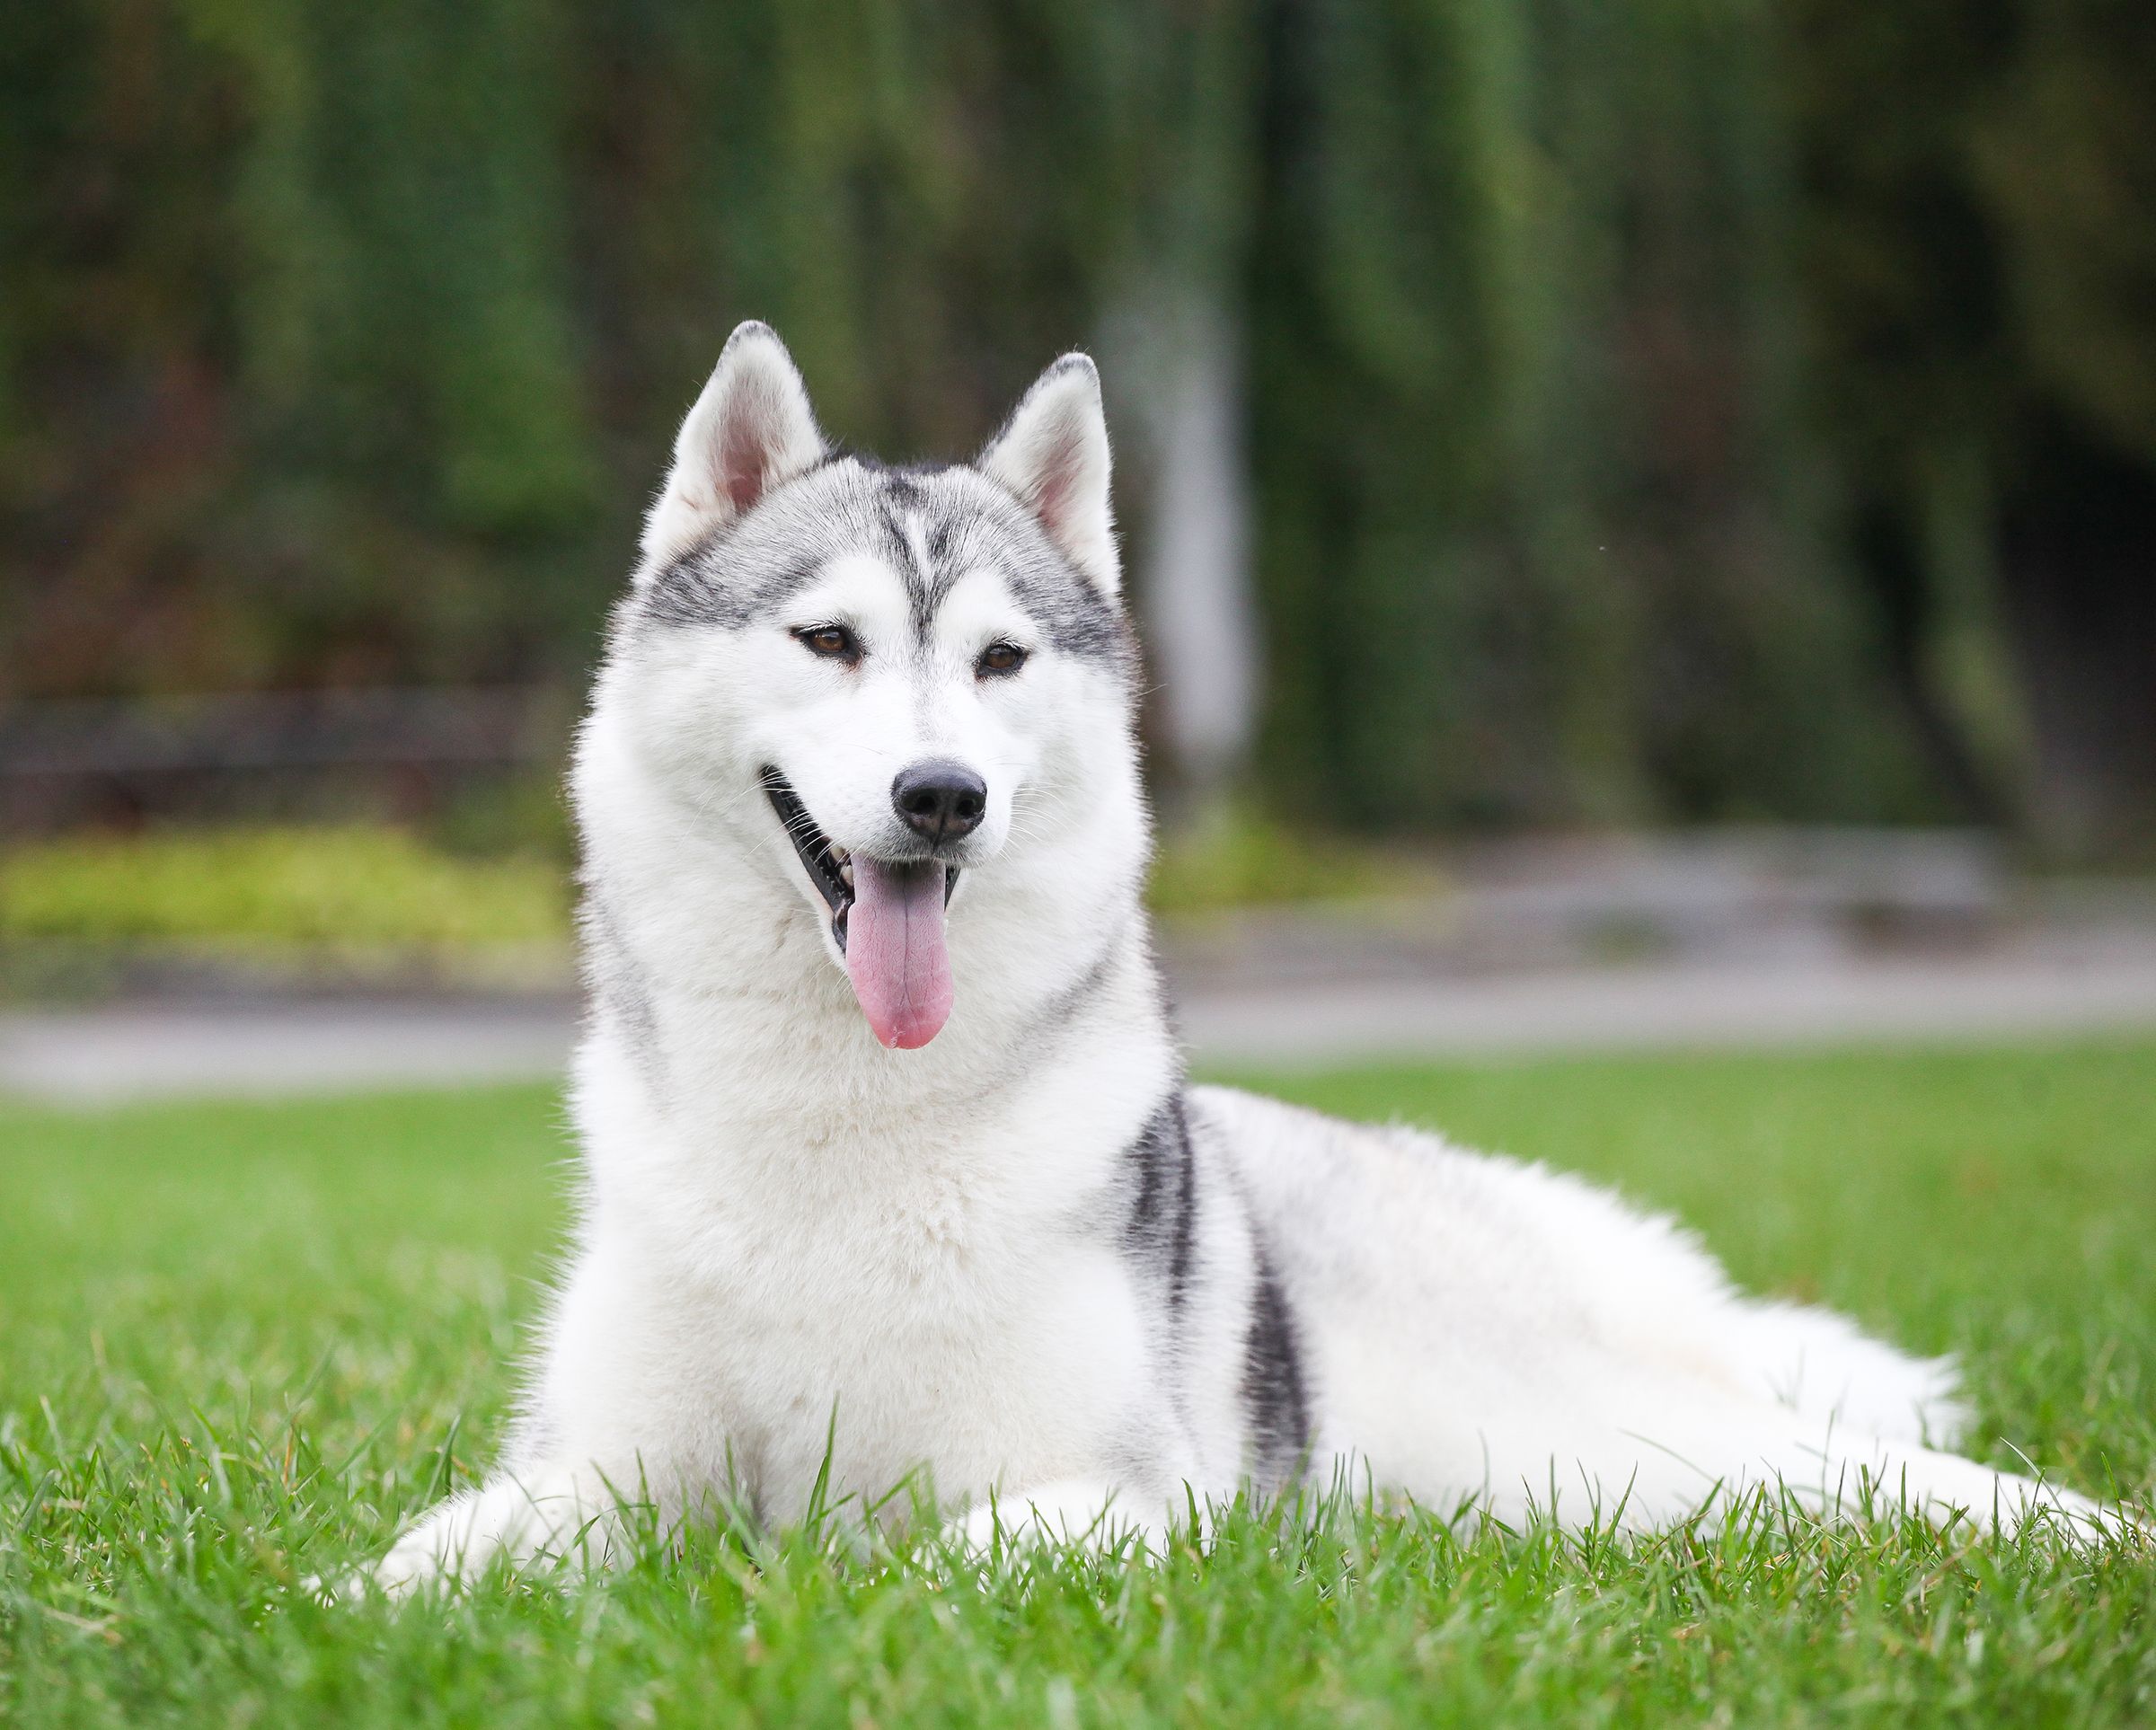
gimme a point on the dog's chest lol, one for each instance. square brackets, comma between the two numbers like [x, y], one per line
[932, 1323]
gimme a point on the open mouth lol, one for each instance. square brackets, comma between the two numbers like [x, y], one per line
[887, 915]
[830, 867]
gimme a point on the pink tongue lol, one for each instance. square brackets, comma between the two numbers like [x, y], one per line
[894, 953]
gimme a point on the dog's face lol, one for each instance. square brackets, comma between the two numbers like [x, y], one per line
[883, 680]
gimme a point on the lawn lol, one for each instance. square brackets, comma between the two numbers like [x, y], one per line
[239, 1344]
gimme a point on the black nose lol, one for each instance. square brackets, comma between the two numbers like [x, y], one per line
[940, 799]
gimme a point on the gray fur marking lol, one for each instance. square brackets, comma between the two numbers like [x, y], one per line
[1160, 1232]
[1275, 1396]
[617, 989]
[736, 576]
[1062, 1009]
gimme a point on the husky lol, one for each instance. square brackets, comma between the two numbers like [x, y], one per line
[891, 1170]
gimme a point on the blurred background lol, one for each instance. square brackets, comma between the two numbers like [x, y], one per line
[1609, 483]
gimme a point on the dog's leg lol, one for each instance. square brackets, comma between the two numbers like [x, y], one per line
[1683, 1454]
[1840, 1474]
[1078, 1512]
[568, 1517]
[1857, 1472]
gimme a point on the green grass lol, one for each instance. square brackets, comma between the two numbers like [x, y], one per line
[239, 1342]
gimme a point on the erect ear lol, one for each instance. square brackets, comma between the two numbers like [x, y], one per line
[751, 430]
[1052, 454]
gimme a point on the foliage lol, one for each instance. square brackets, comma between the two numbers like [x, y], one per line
[1978, 194]
[1235, 856]
[1658, 409]
[244, 1341]
[1534, 544]
[340, 887]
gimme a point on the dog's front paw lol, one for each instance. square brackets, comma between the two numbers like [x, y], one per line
[431, 1554]
[411, 1566]
[1074, 1515]
[554, 1516]
[417, 1562]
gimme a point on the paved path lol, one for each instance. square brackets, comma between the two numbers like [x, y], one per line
[90, 1056]
[1704, 1006]
[109, 1055]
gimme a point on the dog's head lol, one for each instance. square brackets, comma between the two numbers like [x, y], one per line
[894, 685]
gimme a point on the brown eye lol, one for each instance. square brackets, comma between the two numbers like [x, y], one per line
[833, 642]
[1000, 658]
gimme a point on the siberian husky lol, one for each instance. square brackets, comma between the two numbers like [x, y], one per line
[891, 1170]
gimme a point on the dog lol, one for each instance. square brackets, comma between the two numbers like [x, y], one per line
[891, 1171]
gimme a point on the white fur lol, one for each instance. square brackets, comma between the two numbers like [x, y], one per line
[792, 1237]
[1052, 454]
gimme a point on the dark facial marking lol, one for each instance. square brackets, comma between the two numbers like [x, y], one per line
[960, 528]
[1074, 616]
[683, 593]
[924, 588]
[696, 590]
